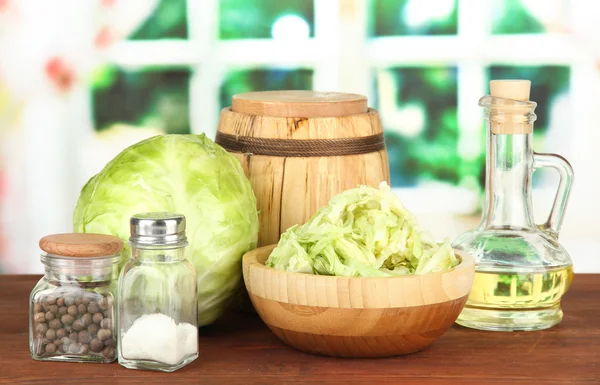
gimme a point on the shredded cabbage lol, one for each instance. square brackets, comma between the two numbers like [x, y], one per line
[364, 232]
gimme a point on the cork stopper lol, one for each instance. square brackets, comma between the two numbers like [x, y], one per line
[510, 109]
[81, 245]
[510, 89]
[299, 104]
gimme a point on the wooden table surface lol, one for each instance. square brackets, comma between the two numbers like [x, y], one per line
[240, 349]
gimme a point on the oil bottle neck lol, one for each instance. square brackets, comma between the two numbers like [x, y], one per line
[509, 165]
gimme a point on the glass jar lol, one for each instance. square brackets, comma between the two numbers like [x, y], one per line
[157, 314]
[73, 304]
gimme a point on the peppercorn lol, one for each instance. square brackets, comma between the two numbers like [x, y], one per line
[78, 325]
[93, 329]
[82, 309]
[56, 341]
[103, 303]
[61, 349]
[60, 333]
[106, 323]
[84, 336]
[51, 300]
[108, 352]
[86, 319]
[97, 318]
[69, 301]
[39, 317]
[62, 310]
[55, 324]
[72, 310]
[86, 301]
[60, 301]
[96, 345]
[41, 328]
[104, 334]
[53, 308]
[84, 349]
[109, 342]
[38, 307]
[74, 348]
[74, 337]
[77, 301]
[49, 316]
[50, 348]
[93, 307]
[67, 319]
[66, 341]
[51, 334]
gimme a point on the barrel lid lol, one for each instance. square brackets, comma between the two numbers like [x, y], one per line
[81, 245]
[299, 104]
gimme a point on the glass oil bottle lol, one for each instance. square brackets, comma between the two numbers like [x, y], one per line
[522, 271]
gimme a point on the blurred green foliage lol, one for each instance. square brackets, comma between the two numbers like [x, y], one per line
[546, 83]
[159, 96]
[253, 19]
[386, 18]
[510, 16]
[240, 81]
[152, 97]
[168, 21]
[431, 154]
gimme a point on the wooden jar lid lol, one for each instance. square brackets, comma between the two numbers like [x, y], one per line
[299, 104]
[81, 245]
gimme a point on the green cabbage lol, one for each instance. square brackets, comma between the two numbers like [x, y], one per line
[363, 232]
[187, 174]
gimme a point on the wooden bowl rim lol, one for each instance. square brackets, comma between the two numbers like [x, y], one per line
[251, 260]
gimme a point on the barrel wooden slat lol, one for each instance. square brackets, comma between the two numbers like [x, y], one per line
[309, 183]
[289, 190]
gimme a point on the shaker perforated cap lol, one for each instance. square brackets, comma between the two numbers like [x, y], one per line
[157, 228]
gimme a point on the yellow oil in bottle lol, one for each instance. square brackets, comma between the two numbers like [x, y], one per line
[516, 301]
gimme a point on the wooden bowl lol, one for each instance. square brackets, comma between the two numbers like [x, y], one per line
[355, 316]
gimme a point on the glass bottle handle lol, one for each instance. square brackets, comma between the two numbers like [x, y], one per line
[565, 171]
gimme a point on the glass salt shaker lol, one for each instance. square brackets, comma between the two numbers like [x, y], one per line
[73, 304]
[157, 313]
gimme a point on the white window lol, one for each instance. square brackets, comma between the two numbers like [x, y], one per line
[341, 47]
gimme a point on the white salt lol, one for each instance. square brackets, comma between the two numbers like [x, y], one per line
[156, 337]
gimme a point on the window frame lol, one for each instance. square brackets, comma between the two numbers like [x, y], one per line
[343, 57]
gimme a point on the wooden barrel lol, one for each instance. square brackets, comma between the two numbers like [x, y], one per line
[300, 148]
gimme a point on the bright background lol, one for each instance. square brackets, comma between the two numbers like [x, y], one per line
[81, 80]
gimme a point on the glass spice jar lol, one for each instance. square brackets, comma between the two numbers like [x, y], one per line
[72, 307]
[157, 313]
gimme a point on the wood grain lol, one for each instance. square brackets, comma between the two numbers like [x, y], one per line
[299, 104]
[239, 349]
[289, 190]
[81, 245]
[356, 316]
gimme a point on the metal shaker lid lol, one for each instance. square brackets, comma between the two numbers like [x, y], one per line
[158, 229]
